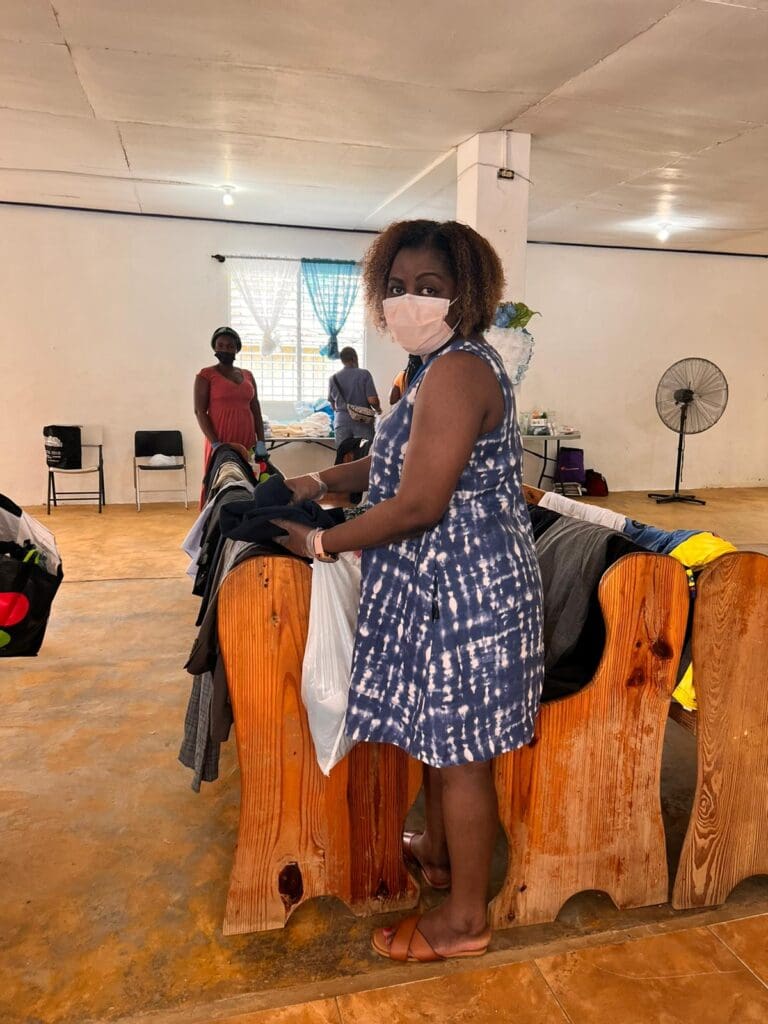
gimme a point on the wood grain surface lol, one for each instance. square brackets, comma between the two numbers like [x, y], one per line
[727, 838]
[581, 804]
[683, 717]
[301, 834]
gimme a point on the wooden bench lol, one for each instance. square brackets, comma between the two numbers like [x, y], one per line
[581, 804]
[301, 834]
[727, 837]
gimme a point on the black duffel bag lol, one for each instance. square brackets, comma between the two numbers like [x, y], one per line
[63, 447]
[27, 591]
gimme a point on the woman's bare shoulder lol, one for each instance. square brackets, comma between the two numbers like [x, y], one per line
[457, 369]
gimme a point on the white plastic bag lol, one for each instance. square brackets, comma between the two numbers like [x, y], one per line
[328, 656]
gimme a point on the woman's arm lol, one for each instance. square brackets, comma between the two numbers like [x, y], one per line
[532, 495]
[202, 396]
[349, 478]
[459, 400]
[258, 422]
[395, 395]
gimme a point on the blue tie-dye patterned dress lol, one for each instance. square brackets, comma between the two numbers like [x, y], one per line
[448, 660]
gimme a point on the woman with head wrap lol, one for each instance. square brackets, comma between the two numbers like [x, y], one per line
[226, 401]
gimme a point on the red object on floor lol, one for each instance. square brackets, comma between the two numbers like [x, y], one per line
[13, 608]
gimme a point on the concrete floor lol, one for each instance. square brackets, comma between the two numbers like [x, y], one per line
[114, 872]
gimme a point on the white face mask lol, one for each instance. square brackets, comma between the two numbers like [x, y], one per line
[417, 322]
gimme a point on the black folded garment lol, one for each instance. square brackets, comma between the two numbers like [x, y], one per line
[542, 519]
[252, 521]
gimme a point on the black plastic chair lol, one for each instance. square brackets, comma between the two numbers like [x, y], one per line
[158, 442]
[91, 442]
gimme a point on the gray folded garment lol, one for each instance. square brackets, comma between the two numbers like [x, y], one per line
[572, 557]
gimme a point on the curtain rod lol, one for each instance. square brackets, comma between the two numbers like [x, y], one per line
[223, 257]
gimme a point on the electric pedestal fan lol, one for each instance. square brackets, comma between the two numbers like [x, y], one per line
[690, 398]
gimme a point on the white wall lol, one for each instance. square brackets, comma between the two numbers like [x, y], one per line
[106, 319]
[613, 321]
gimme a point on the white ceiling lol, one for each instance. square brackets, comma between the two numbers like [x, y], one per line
[347, 114]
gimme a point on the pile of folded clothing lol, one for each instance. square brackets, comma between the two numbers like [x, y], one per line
[316, 425]
[244, 528]
[575, 544]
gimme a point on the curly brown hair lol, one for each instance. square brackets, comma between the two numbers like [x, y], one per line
[472, 260]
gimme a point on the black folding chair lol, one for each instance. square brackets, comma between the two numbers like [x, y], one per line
[168, 443]
[91, 451]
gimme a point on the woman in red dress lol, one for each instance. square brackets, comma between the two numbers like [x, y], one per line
[226, 401]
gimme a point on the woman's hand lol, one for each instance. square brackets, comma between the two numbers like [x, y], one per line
[296, 539]
[532, 495]
[305, 488]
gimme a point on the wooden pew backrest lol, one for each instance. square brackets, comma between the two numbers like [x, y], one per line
[727, 838]
[581, 804]
[301, 834]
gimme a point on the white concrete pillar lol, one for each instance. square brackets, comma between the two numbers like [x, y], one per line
[497, 207]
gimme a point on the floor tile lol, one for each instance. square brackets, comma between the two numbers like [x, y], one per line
[323, 1011]
[515, 992]
[748, 939]
[686, 977]
[130, 907]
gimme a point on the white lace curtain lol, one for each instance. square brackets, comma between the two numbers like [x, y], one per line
[266, 286]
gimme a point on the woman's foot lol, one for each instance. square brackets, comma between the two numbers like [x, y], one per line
[428, 938]
[450, 934]
[418, 855]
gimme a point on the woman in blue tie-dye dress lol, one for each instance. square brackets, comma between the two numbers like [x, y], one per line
[448, 661]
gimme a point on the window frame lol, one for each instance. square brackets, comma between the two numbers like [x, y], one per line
[309, 338]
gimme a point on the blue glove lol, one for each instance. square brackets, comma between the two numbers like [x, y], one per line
[261, 449]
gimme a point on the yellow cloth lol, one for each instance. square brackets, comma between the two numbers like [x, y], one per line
[693, 553]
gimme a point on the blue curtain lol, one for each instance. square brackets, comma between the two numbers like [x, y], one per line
[332, 287]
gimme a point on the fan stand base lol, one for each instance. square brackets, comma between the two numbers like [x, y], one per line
[665, 499]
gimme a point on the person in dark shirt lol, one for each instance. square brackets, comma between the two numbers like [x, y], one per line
[352, 386]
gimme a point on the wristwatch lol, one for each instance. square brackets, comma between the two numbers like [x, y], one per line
[316, 549]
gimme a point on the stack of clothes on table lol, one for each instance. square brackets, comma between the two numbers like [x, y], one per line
[575, 544]
[234, 525]
[318, 424]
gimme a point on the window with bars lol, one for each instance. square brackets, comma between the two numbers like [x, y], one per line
[296, 372]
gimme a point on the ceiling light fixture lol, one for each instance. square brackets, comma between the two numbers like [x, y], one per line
[228, 199]
[663, 233]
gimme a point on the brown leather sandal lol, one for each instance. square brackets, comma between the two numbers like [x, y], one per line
[406, 943]
[415, 865]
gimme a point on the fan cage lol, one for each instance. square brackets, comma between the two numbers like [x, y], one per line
[710, 395]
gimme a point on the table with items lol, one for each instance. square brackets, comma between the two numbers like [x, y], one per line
[545, 457]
